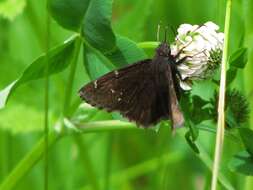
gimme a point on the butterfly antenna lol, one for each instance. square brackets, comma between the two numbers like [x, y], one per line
[165, 34]
[158, 32]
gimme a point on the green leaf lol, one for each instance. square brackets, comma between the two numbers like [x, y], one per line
[190, 141]
[94, 63]
[96, 27]
[142, 11]
[194, 131]
[230, 118]
[22, 114]
[239, 58]
[199, 112]
[195, 109]
[231, 74]
[59, 58]
[68, 13]
[204, 89]
[90, 17]
[191, 135]
[247, 136]
[11, 8]
[242, 163]
[185, 101]
[207, 160]
[126, 52]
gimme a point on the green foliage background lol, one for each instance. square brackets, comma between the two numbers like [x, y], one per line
[128, 159]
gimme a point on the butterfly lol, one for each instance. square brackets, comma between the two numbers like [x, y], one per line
[144, 92]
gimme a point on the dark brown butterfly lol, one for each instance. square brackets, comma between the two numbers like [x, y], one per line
[144, 92]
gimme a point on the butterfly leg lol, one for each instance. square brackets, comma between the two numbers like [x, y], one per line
[180, 51]
[180, 61]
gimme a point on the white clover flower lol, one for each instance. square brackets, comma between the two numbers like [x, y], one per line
[202, 45]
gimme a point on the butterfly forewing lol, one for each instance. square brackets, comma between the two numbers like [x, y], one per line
[132, 91]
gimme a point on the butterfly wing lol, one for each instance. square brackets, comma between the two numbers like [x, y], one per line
[143, 92]
[176, 115]
[130, 90]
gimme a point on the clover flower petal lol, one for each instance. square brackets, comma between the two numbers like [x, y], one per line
[199, 43]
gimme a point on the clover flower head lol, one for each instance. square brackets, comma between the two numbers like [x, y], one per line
[202, 47]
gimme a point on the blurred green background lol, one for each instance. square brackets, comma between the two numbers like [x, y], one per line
[22, 39]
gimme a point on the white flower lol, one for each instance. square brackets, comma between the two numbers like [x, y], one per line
[202, 45]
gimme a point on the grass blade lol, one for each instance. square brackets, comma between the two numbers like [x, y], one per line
[221, 105]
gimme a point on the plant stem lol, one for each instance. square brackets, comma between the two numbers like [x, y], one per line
[206, 159]
[108, 162]
[99, 126]
[248, 7]
[221, 105]
[90, 172]
[88, 166]
[46, 122]
[148, 45]
[69, 86]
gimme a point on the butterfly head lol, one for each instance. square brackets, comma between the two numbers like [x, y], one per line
[163, 50]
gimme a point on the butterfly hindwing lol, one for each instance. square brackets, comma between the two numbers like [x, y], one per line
[176, 115]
